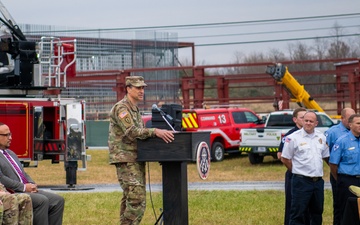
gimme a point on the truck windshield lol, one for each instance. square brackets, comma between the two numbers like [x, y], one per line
[280, 120]
[324, 121]
[244, 117]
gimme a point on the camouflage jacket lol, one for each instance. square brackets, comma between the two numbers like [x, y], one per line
[15, 208]
[126, 125]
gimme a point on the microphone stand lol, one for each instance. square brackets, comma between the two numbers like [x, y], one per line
[163, 116]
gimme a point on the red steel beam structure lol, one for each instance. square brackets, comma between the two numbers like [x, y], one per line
[348, 87]
[193, 85]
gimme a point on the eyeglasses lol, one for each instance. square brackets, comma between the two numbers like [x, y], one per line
[6, 135]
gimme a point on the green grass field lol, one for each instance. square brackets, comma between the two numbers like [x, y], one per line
[205, 207]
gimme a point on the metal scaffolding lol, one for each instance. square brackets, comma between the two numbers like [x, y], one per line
[99, 51]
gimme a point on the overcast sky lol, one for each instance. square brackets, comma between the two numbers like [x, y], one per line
[146, 13]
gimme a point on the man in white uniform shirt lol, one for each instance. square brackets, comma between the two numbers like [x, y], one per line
[303, 154]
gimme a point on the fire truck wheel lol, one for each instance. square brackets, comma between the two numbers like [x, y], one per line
[217, 152]
[255, 158]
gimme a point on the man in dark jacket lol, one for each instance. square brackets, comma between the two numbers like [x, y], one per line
[47, 207]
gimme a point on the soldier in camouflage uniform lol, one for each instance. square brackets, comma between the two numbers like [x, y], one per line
[126, 125]
[15, 208]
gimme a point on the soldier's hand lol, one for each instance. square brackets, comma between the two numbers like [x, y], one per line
[166, 135]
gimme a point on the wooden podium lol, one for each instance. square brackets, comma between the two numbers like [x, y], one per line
[173, 157]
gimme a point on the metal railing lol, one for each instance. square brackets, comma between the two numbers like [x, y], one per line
[56, 58]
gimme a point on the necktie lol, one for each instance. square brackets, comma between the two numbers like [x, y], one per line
[16, 167]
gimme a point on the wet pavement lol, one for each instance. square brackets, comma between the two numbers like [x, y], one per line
[199, 186]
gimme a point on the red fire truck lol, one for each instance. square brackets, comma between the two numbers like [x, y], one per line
[32, 75]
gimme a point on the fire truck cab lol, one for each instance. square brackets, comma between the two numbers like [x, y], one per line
[224, 124]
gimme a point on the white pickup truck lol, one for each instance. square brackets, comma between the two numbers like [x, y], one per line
[260, 142]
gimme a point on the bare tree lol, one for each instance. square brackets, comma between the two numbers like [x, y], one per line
[254, 58]
[320, 48]
[355, 47]
[338, 48]
[299, 51]
[239, 57]
[275, 55]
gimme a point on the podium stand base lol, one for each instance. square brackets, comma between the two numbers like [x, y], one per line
[175, 193]
[71, 188]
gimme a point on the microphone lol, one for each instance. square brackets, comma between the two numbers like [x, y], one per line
[154, 106]
[163, 114]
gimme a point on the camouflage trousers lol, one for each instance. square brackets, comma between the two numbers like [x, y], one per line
[131, 177]
[15, 209]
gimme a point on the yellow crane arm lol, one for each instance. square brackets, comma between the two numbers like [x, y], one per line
[281, 74]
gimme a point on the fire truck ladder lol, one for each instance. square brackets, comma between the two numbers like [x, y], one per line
[54, 67]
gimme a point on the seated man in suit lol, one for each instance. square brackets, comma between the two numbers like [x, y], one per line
[48, 207]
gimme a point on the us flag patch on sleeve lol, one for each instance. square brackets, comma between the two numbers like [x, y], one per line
[123, 114]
